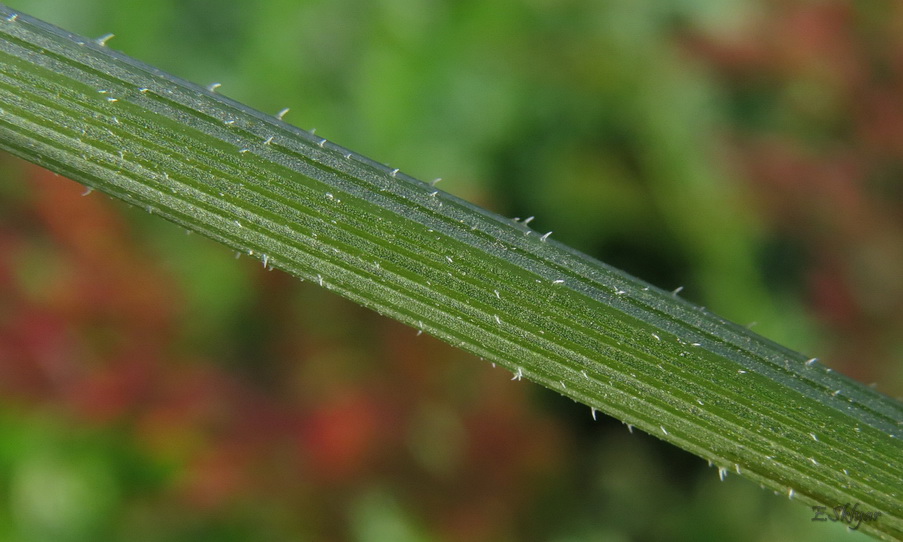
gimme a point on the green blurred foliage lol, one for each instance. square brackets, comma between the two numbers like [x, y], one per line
[153, 388]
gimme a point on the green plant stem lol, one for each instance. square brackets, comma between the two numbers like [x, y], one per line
[487, 284]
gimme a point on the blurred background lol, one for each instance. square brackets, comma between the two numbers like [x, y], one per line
[153, 388]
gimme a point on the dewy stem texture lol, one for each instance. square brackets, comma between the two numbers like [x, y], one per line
[487, 284]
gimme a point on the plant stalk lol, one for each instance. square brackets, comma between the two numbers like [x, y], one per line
[479, 281]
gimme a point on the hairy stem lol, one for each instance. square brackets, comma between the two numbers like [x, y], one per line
[487, 284]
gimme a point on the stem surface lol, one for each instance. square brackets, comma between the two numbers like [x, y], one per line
[484, 283]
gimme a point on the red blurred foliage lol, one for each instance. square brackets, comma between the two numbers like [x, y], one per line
[89, 328]
[824, 157]
[95, 300]
[340, 437]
